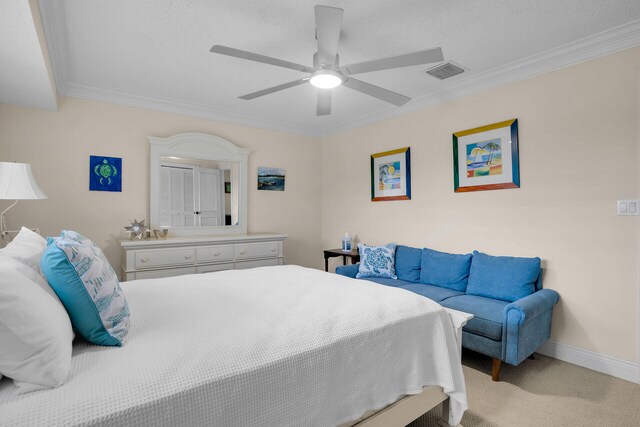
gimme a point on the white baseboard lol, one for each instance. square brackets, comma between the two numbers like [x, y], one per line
[598, 362]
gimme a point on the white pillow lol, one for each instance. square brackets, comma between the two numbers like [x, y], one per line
[35, 330]
[27, 247]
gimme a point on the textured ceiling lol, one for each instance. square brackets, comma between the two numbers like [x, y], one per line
[24, 76]
[155, 53]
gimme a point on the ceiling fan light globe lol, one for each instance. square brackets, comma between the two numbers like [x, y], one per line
[324, 79]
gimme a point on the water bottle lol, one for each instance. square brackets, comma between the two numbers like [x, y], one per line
[346, 243]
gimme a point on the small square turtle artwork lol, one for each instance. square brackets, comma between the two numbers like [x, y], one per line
[105, 173]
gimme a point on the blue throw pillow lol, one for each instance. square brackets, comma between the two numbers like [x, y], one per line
[502, 277]
[81, 276]
[377, 261]
[445, 270]
[408, 263]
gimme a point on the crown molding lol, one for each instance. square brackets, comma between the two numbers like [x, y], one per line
[601, 44]
[598, 45]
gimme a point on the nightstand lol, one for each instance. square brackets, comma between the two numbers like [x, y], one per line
[330, 253]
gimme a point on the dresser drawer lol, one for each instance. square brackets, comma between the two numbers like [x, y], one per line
[215, 267]
[156, 274]
[167, 257]
[257, 263]
[214, 254]
[257, 250]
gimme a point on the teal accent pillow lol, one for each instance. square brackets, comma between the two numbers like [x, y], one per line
[408, 263]
[377, 261]
[445, 270]
[81, 276]
[502, 277]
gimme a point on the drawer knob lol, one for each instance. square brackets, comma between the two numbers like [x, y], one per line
[216, 254]
[144, 259]
[243, 252]
[273, 249]
[187, 256]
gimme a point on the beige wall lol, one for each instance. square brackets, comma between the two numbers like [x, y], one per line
[579, 138]
[58, 145]
[578, 130]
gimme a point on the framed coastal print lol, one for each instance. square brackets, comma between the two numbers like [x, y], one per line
[486, 158]
[271, 179]
[391, 175]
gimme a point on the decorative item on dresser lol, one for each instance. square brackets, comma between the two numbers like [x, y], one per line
[175, 256]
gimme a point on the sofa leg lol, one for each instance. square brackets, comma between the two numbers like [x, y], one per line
[496, 364]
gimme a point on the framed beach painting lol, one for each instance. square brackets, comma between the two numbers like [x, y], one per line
[486, 158]
[391, 175]
[271, 179]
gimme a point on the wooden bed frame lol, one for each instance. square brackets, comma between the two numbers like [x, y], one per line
[408, 408]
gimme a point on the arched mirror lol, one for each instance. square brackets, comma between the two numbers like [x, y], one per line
[198, 185]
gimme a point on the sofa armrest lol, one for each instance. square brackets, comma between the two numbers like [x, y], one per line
[348, 270]
[533, 305]
[527, 325]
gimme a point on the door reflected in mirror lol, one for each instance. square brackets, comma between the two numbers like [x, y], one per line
[198, 192]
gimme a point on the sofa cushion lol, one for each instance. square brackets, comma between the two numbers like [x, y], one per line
[445, 270]
[377, 261]
[408, 262]
[435, 293]
[502, 277]
[487, 314]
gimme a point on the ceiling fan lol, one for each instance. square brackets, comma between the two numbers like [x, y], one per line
[326, 72]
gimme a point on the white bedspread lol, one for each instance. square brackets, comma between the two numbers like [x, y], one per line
[272, 346]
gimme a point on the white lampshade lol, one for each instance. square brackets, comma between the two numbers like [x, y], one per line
[17, 182]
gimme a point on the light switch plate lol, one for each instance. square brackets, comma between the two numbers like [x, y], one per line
[628, 207]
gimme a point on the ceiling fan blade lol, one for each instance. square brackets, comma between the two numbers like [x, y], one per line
[324, 102]
[243, 54]
[328, 26]
[376, 92]
[423, 57]
[273, 89]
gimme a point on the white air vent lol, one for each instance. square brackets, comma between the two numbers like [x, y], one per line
[446, 70]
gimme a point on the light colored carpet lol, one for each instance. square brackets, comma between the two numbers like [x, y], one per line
[543, 392]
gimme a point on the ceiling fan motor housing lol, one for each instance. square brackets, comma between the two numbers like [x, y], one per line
[318, 65]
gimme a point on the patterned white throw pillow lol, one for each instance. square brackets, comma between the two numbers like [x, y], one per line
[377, 261]
[88, 287]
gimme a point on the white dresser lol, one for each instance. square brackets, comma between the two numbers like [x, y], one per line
[147, 259]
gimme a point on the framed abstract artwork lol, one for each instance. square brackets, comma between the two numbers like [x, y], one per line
[391, 175]
[105, 173]
[486, 158]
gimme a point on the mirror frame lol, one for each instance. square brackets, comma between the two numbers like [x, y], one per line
[202, 146]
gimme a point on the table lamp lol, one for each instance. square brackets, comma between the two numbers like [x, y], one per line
[16, 183]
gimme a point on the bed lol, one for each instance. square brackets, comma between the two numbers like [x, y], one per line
[281, 346]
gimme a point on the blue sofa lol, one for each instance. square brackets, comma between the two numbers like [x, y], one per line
[512, 313]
